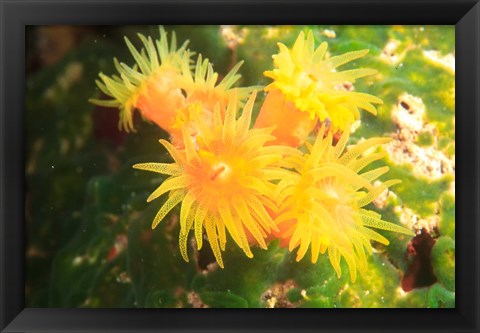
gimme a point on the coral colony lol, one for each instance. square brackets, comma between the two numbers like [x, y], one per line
[288, 176]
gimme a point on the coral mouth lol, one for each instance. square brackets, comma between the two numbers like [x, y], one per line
[218, 172]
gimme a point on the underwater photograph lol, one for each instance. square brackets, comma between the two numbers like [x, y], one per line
[235, 166]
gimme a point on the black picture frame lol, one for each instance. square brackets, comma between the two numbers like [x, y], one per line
[16, 14]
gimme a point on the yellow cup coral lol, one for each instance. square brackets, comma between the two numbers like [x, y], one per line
[322, 205]
[309, 81]
[223, 180]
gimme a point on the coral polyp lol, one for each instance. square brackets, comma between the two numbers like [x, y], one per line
[310, 81]
[223, 180]
[202, 94]
[150, 86]
[202, 85]
[323, 204]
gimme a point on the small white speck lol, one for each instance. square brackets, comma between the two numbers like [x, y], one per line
[77, 261]
[329, 33]
[53, 167]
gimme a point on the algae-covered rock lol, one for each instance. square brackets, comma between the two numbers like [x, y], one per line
[439, 297]
[443, 262]
[243, 281]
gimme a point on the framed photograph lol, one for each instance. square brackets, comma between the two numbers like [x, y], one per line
[239, 166]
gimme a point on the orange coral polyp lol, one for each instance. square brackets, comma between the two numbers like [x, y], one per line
[203, 94]
[223, 179]
[151, 86]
